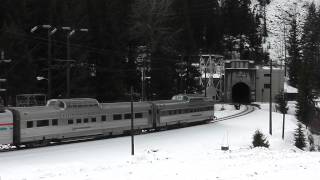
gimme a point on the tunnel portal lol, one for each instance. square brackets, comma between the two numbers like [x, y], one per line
[241, 93]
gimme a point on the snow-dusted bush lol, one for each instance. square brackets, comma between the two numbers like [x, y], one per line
[259, 140]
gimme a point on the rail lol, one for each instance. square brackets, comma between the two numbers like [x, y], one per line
[247, 110]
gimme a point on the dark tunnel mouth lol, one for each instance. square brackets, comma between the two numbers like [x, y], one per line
[241, 93]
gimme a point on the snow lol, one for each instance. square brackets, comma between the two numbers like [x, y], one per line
[186, 153]
[289, 89]
[278, 26]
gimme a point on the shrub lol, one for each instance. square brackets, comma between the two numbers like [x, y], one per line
[259, 140]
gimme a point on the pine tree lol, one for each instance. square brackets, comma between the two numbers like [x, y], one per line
[259, 140]
[310, 47]
[306, 75]
[282, 107]
[299, 138]
[305, 104]
[151, 25]
[294, 48]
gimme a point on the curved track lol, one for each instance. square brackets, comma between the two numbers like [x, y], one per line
[248, 109]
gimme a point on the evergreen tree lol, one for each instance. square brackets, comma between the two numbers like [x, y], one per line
[282, 107]
[240, 22]
[310, 44]
[259, 140]
[306, 76]
[282, 103]
[152, 25]
[299, 138]
[305, 105]
[294, 48]
[263, 4]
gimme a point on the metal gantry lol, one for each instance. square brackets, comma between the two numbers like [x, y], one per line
[70, 32]
[143, 65]
[212, 72]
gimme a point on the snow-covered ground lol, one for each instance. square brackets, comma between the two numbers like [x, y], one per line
[187, 153]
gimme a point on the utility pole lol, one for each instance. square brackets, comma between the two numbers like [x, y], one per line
[70, 33]
[3, 80]
[50, 30]
[143, 80]
[270, 100]
[68, 63]
[49, 64]
[205, 81]
[283, 117]
[132, 130]
[285, 50]
[142, 67]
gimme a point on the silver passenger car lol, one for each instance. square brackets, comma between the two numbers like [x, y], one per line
[64, 119]
[183, 109]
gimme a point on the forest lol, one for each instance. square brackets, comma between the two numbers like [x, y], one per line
[123, 36]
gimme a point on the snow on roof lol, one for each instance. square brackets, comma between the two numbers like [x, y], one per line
[208, 75]
[289, 89]
[273, 68]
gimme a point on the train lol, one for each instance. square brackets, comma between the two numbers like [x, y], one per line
[71, 119]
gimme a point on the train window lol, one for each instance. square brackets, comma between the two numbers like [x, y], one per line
[127, 116]
[85, 120]
[42, 123]
[150, 112]
[138, 115]
[70, 121]
[103, 118]
[78, 121]
[29, 124]
[54, 122]
[117, 117]
[93, 119]
[267, 86]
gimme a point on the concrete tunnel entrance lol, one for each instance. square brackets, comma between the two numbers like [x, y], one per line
[241, 93]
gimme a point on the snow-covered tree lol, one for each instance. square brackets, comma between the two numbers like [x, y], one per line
[259, 140]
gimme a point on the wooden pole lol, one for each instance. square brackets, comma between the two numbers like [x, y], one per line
[132, 130]
[270, 99]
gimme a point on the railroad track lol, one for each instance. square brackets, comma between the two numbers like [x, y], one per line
[248, 109]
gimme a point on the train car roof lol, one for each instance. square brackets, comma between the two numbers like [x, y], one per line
[73, 103]
[169, 102]
[124, 104]
[35, 109]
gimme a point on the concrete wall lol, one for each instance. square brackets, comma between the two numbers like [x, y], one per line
[263, 79]
[234, 76]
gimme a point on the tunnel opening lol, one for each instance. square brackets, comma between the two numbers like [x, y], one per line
[241, 93]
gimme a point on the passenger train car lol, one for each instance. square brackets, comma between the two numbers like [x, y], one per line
[67, 119]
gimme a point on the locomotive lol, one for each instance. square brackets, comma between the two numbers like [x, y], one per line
[72, 119]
